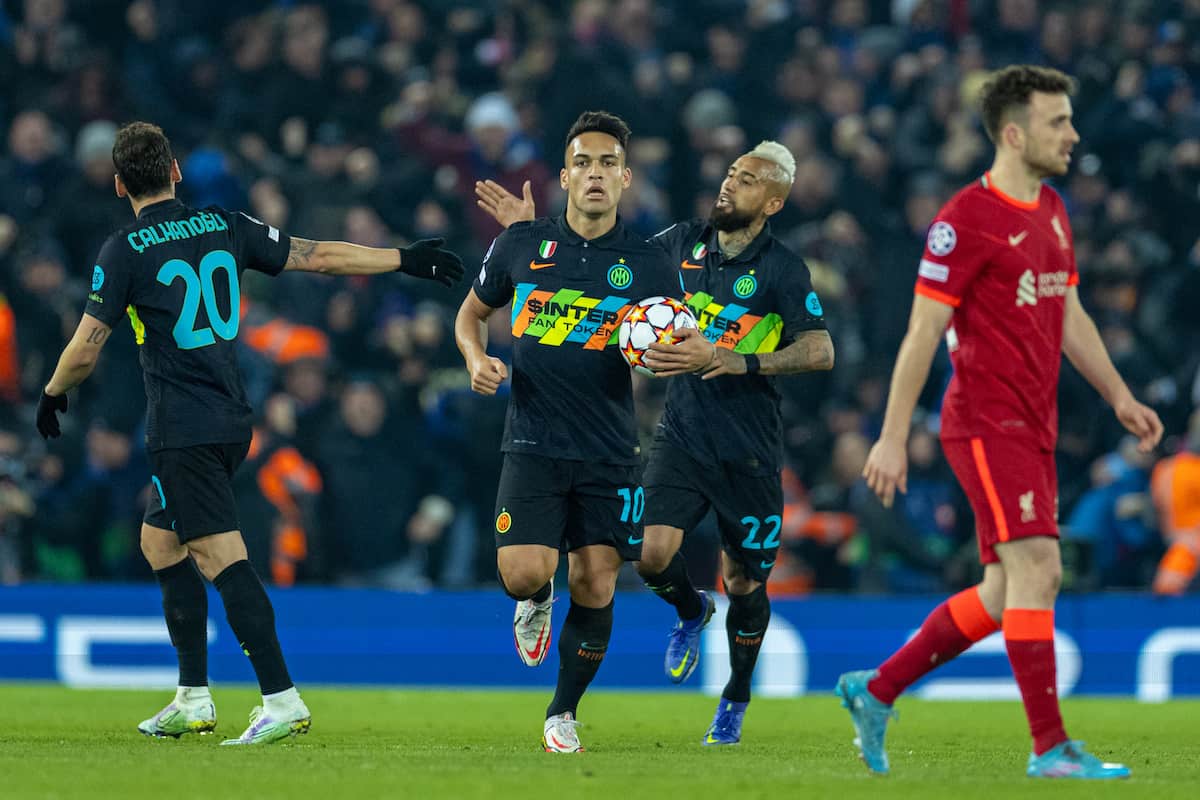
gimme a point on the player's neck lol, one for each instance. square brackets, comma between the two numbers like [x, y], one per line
[734, 242]
[141, 202]
[1013, 178]
[590, 227]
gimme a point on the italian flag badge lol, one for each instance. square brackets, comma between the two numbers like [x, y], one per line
[547, 249]
[699, 251]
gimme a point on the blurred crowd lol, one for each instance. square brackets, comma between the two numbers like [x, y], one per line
[370, 121]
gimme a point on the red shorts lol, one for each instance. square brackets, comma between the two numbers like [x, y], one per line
[1012, 486]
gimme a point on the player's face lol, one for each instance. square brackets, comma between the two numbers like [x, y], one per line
[1049, 136]
[746, 194]
[595, 173]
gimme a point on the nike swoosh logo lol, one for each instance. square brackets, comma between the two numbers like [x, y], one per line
[541, 264]
[1016, 240]
[537, 647]
[685, 264]
[635, 541]
[676, 672]
[766, 564]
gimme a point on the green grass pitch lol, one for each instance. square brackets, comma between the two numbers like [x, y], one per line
[63, 743]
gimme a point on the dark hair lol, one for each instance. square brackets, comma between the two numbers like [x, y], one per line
[601, 122]
[1009, 89]
[142, 156]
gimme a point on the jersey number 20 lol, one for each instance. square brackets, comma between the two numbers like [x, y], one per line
[198, 286]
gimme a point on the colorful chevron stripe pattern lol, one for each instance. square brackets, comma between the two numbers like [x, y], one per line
[733, 326]
[566, 316]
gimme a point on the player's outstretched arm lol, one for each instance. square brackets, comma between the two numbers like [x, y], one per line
[423, 259]
[76, 363]
[887, 463]
[504, 206]
[1085, 349]
[470, 333]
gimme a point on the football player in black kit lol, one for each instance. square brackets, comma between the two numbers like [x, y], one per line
[719, 444]
[175, 272]
[571, 479]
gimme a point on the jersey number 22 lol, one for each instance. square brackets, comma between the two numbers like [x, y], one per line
[199, 286]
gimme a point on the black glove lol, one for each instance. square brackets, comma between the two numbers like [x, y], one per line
[47, 415]
[426, 259]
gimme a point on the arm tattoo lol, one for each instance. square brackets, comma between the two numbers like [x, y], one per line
[97, 336]
[300, 253]
[812, 350]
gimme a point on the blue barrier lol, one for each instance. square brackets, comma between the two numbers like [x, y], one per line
[106, 635]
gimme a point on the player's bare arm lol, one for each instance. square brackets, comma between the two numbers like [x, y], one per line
[470, 333]
[76, 363]
[692, 352]
[887, 464]
[79, 357]
[1085, 349]
[503, 206]
[423, 259]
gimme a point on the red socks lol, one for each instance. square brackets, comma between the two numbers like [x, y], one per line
[1029, 636]
[949, 629]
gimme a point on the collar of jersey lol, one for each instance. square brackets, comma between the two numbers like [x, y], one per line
[752, 251]
[607, 240]
[161, 205]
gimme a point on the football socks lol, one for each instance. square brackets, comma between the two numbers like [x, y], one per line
[185, 606]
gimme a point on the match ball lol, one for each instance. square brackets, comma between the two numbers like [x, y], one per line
[654, 319]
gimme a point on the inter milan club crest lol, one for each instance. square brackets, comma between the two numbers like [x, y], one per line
[620, 276]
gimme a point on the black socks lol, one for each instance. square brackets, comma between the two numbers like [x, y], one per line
[745, 625]
[582, 644]
[185, 606]
[252, 618]
[674, 586]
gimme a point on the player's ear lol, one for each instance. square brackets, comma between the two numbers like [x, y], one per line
[119, 187]
[176, 174]
[1013, 134]
[774, 204]
[626, 177]
[562, 179]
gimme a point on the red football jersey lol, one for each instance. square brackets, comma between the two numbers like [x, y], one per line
[1004, 265]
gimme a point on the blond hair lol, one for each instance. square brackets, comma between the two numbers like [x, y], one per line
[780, 157]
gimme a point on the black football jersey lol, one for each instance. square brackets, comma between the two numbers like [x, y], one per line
[757, 302]
[175, 272]
[572, 395]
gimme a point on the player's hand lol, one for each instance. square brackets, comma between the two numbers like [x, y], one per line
[1141, 421]
[487, 374]
[688, 351]
[427, 259]
[47, 414]
[887, 469]
[504, 206]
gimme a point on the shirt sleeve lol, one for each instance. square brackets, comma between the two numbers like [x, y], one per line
[111, 279]
[668, 240]
[262, 247]
[494, 284]
[954, 255]
[800, 307]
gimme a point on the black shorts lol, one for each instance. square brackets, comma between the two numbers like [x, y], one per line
[193, 489]
[569, 504]
[748, 504]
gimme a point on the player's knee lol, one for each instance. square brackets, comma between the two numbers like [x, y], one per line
[161, 551]
[521, 583]
[655, 559]
[593, 589]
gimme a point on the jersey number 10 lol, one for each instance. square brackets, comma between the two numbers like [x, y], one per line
[198, 286]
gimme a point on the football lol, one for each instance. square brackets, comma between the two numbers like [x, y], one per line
[654, 319]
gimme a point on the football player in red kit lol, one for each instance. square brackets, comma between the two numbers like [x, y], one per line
[998, 279]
